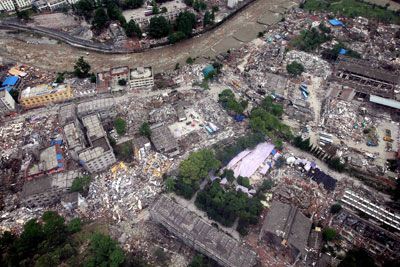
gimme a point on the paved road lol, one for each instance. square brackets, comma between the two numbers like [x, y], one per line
[61, 57]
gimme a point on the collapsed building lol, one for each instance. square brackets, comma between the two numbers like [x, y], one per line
[51, 160]
[137, 78]
[105, 107]
[286, 229]
[197, 233]
[359, 75]
[164, 141]
[99, 155]
[47, 190]
[377, 212]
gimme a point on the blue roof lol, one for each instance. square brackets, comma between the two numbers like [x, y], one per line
[56, 142]
[60, 165]
[335, 22]
[10, 81]
[207, 70]
[343, 51]
[59, 156]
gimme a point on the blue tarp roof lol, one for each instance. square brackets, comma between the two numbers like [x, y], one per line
[59, 156]
[56, 142]
[273, 152]
[343, 51]
[335, 22]
[10, 81]
[207, 70]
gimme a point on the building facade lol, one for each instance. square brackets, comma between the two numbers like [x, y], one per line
[7, 103]
[99, 155]
[141, 77]
[44, 94]
[12, 5]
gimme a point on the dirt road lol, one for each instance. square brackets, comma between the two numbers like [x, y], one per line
[61, 57]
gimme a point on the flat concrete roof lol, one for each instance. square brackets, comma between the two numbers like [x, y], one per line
[141, 72]
[384, 101]
[186, 224]
[42, 89]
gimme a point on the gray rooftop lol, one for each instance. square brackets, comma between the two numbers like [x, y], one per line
[368, 71]
[95, 106]
[163, 139]
[289, 223]
[384, 101]
[204, 237]
[67, 113]
[93, 126]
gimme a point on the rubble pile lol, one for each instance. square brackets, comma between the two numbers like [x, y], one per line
[345, 120]
[125, 190]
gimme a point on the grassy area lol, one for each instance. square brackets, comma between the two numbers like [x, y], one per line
[354, 8]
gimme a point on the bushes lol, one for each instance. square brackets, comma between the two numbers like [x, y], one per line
[226, 206]
[228, 101]
[225, 154]
[295, 68]
[309, 40]
[193, 170]
[81, 184]
[120, 126]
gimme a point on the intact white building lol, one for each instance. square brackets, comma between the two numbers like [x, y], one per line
[232, 3]
[11, 5]
[7, 103]
[141, 77]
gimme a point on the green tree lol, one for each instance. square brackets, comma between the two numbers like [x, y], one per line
[81, 68]
[93, 78]
[145, 130]
[133, 29]
[74, 226]
[122, 82]
[207, 20]
[54, 229]
[329, 234]
[189, 60]
[100, 19]
[185, 22]
[295, 68]
[60, 77]
[115, 13]
[189, 2]
[120, 126]
[104, 251]
[155, 10]
[335, 208]
[170, 184]
[81, 184]
[198, 164]
[134, 3]
[84, 8]
[159, 27]
[335, 164]
[176, 37]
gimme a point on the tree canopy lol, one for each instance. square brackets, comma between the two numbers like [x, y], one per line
[104, 251]
[295, 68]
[81, 184]
[198, 165]
[159, 27]
[100, 19]
[120, 126]
[132, 29]
[81, 68]
[229, 102]
[145, 130]
[185, 22]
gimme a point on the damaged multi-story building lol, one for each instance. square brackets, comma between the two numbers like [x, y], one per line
[200, 235]
[99, 155]
[286, 229]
